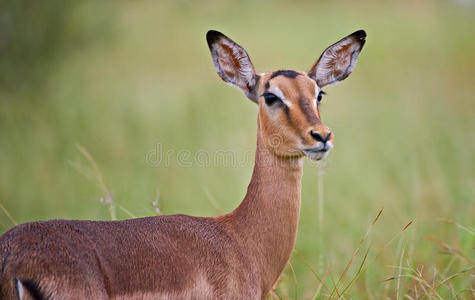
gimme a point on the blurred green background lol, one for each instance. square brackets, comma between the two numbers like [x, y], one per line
[122, 79]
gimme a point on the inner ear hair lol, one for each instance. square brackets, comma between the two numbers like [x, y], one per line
[338, 60]
[232, 63]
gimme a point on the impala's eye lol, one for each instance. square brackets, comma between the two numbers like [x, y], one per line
[320, 96]
[270, 98]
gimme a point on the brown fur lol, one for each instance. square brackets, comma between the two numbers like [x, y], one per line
[239, 255]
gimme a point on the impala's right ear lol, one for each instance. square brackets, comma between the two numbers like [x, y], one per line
[232, 63]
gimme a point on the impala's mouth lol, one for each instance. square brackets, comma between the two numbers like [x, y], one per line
[318, 152]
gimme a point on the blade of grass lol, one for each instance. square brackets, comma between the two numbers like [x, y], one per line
[108, 199]
[126, 211]
[273, 291]
[8, 215]
[357, 273]
[398, 284]
[211, 200]
[458, 225]
[355, 253]
[320, 173]
[317, 292]
[453, 276]
[320, 195]
[274, 295]
[424, 284]
[295, 279]
[311, 270]
[335, 288]
[155, 203]
[451, 249]
[380, 252]
[464, 291]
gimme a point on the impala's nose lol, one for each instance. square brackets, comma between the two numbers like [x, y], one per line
[319, 138]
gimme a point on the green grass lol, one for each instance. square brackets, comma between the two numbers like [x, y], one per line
[134, 75]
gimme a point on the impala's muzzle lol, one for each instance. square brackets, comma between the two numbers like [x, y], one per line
[323, 146]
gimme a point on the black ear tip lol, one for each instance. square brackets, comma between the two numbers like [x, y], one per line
[360, 35]
[213, 36]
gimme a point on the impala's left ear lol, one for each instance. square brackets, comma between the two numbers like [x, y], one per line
[338, 60]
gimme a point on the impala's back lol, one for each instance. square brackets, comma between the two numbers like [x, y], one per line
[167, 257]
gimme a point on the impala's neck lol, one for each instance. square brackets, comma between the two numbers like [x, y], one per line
[267, 218]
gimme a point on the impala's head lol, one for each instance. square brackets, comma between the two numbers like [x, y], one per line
[289, 118]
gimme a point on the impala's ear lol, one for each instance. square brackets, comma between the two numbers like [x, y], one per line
[232, 63]
[338, 60]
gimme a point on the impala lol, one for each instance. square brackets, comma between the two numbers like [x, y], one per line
[239, 255]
